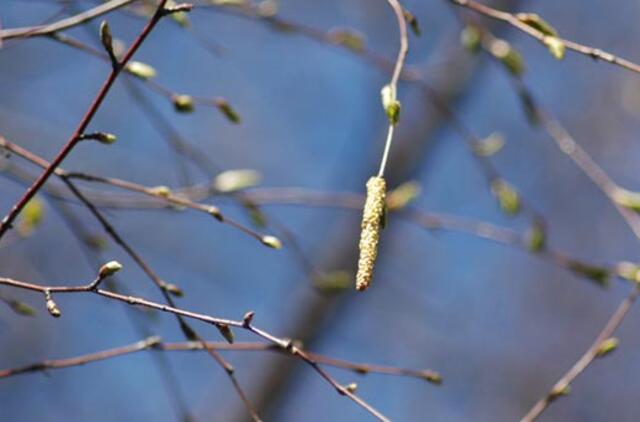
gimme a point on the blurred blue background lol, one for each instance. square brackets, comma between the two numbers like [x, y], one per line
[501, 326]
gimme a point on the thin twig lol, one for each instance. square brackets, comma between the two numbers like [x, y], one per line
[84, 122]
[70, 22]
[561, 387]
[512, 19]
[285, 344]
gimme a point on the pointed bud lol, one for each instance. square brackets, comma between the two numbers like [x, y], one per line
[248, 317]
[163, 191]
[235, 180]
[21, 308]
[109, 269]
[107, 40]
[53, 308]
[226, 332]
[141, 70]
[225, 108]
[352, 388]
[607, 346]
[272, 242]
[183, 103]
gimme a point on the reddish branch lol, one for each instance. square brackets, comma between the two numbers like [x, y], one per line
[76, 137]
[286, 345]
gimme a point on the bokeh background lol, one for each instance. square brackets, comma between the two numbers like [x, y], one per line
[500, 325]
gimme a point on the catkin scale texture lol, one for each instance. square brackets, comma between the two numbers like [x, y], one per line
[372, 216]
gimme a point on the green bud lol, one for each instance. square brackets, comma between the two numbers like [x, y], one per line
[536, 22]
[183, 103]
[109, 269]
[235, 180]
[556, 47]
[508, 56]
[347, 38]
[507, 196]
[471, 38]
[141, 70]
[333, 282]
[225, 108]
[607, 346]
[272, 242]
[490, 145]
[403, 195]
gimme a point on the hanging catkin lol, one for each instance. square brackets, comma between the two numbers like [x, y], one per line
[372, 217]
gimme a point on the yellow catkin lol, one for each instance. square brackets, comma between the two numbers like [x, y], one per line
[372, 216]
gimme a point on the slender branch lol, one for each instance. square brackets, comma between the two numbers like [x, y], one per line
[84, 122]
[512, 19]
[67, 23]
[154, 343]
[285, 344]
[162, 193]
[561, 387]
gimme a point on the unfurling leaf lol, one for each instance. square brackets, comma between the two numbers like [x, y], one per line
[536, 22]
[180, 18]
[235, 180]
[628, 271]
[141, 70]
[536, 237]
[390, 104]
[402, 195]
[109, 269]
[607, 346]
[489, 146]
[267, 8]
[20, 308]
[412, 21]
[333, 282]
[507, 196]
[348, 38]
[226, 333]
[598, 274]
[229, 112]
[272, 242]
[471, 38]
[627, 199]
[509, 56]
[183, 103]
[556, 47]
[31, 217]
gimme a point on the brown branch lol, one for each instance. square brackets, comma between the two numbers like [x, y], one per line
[512, 19]
[154, 343]
[561, 387]
[84, 122]
[161, 193]
[67, 23]
[220, 323]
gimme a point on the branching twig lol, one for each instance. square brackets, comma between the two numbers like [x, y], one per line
[84, 122]
[67, 23]
[561, 387]
[512, 19]
[220, 323]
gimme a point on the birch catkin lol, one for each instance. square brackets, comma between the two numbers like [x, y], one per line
[372, 216]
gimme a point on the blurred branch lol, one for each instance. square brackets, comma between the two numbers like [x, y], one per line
[603, 345]
[519, 22]
[154, 343]
[76, 137]
[67, 23]
[222, 324]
